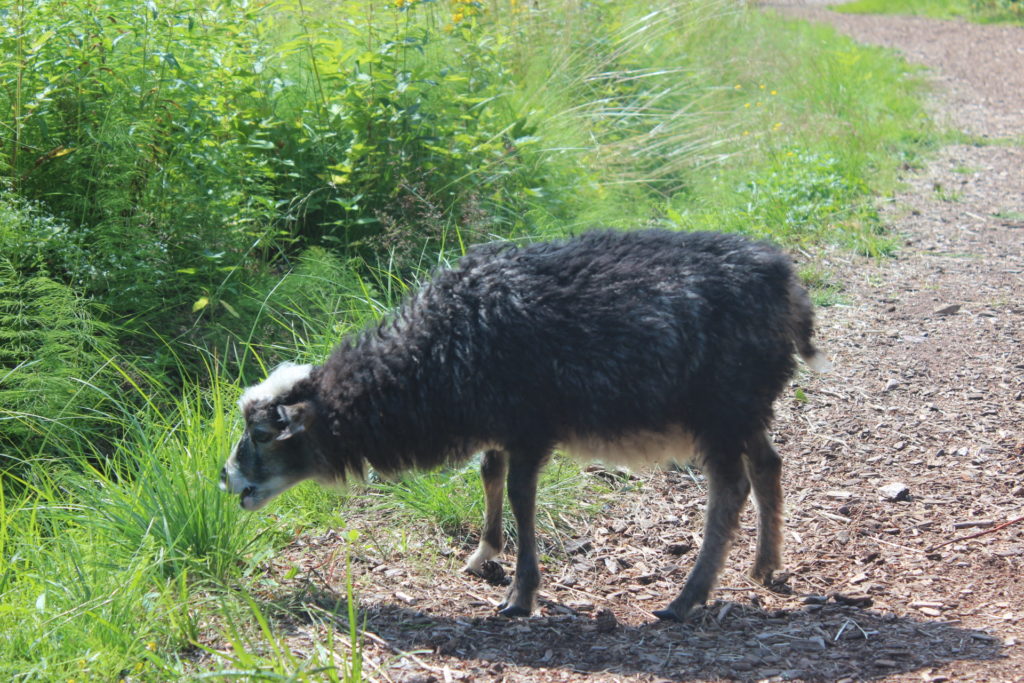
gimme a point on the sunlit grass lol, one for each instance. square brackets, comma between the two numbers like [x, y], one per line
[984, 11]
[453, 499]
[819, 125]
[111, 554]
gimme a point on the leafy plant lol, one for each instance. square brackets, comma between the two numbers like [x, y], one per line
[126, 126]
[409, 129]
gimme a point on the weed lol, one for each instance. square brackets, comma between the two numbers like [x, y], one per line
[1010, 216]
[944, 194]
[824, 289]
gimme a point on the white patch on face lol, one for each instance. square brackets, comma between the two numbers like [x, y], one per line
[281, 380]
[637, 450]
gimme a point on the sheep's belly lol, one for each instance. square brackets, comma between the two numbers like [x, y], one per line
[636, 450]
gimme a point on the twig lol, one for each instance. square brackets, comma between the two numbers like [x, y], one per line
[975, 535]
[901, 547]
[403, 653]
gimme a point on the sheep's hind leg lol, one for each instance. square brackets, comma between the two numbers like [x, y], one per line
[522, 494]
[493, 469]
[727, 491]
[764, 469]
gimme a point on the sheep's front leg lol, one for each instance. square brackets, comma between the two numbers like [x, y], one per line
[493, 469]
[728, 489]
[522, 494]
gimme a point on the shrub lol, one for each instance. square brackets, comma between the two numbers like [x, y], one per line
[405, 127]
[126, 123]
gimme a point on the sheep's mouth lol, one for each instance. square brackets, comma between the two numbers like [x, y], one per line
[250, 498]
[253, 496]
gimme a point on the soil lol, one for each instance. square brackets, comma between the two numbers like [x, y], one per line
[914, 442]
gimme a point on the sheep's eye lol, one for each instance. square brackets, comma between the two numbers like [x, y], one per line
[262, 434]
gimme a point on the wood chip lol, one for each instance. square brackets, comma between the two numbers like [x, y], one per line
[974, 524]
[950, 309]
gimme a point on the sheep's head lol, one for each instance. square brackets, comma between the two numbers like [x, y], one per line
[274, 452]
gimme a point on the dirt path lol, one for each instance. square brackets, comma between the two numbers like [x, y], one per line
[928, 392]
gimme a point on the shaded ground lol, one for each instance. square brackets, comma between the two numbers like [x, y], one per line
[928, 392]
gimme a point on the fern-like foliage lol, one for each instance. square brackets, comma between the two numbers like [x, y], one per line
[53, 360]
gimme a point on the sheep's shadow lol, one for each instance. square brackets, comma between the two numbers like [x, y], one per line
[722, 641]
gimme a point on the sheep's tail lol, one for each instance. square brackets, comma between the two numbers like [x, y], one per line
[801, 328]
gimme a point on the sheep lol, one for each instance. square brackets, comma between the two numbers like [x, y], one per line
[634, 348]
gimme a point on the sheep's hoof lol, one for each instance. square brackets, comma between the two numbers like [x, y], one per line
[513, 611]
[491, 572]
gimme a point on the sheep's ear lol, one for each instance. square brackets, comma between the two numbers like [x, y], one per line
[296, 418]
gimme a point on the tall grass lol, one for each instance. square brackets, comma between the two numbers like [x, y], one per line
[104, 550]
[454, 501]
[618, 99]
[817, 125]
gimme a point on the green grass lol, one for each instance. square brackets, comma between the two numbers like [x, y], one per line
[957, 137]
[107, 555]
[983, 11]
[818, 128]
[453, 500]
[930, 8]
[945, 194]
[1010, 216]
[824, 288]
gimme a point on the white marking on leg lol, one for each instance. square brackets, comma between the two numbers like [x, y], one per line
[484, 552]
